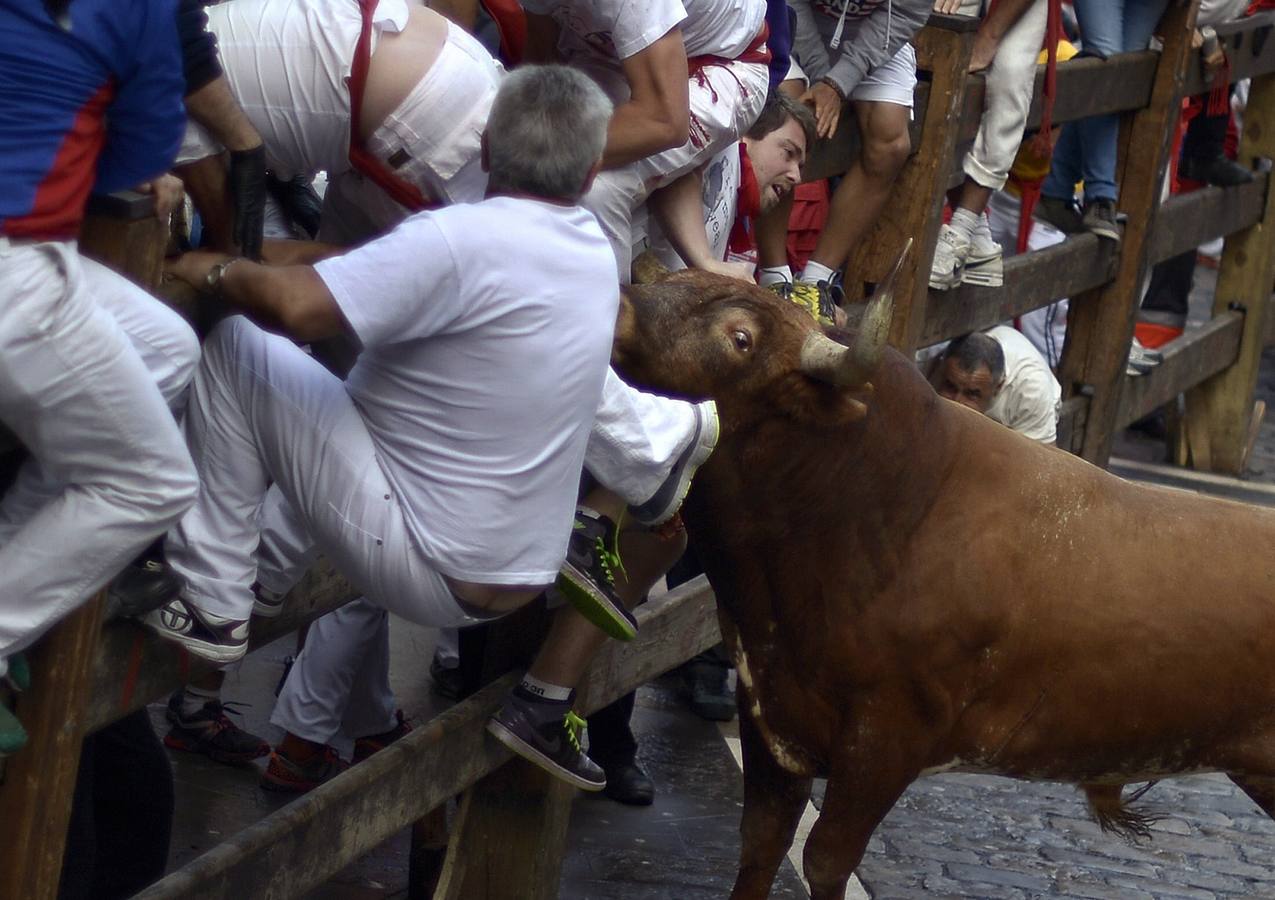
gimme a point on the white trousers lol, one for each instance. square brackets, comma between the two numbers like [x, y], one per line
[725, 102]
[340, 682]
[82, 351]
[1009, 82]
[262, 410]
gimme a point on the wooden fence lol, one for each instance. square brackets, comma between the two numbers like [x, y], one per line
[507, 837]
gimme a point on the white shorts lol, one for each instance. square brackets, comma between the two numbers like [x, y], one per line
[894, 82]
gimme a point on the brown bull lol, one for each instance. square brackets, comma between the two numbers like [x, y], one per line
[907, 586]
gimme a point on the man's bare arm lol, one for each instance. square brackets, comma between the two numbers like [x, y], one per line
[657, 114]
[289, 300]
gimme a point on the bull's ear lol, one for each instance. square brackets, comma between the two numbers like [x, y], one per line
[647, 269]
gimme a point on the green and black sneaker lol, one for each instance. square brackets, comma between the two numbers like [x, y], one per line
[587, 581]
[819, 299]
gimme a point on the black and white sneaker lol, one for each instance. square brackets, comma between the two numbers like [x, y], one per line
[547, 733]
[587, 578]
[266, 603]
[668, 499]
[207, 636]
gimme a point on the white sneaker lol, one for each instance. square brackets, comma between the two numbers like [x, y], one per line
[949, 259]
[668, 499]
[1142, 359]
[205, 635]
[983, 264]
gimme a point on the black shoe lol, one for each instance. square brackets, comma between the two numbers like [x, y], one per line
[1100, 219]
[1062, 214]
[711, 696]
[211, 733]
[586, 579]
[547, 733]
[447, 682]
[628, 784]
[1219, 171]
[819, 299]
[144, 585]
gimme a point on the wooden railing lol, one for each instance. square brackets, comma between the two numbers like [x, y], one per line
[508, 837]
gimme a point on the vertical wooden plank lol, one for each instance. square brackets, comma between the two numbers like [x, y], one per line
[1100, 322]
[428, 854]
[1221, 408]
[39, 780]
[915, 208]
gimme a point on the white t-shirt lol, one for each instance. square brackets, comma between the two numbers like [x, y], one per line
[1029, 401]
[486, 332]
[721, 201]
[608, 31]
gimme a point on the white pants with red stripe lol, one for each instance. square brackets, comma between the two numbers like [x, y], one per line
[89, 366]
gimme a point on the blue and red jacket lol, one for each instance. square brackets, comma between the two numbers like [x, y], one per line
[93, 107]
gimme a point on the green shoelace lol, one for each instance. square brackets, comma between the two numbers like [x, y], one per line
[573, 725]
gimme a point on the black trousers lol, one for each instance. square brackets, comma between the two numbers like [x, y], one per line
[122, 813]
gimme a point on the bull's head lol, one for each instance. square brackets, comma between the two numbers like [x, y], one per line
[699, 335]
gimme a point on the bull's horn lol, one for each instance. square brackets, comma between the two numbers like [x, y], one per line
[824, 358]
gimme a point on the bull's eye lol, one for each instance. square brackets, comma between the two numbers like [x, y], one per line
[743, 340]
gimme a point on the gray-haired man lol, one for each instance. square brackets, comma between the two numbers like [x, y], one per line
[441, 475]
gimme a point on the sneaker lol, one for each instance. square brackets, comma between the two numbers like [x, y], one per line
[984, 265]
[143, 585]
[266, 603]
[447, 681]
[1219, 171]
[375, 743]
[293, 776]
[816, 299]
[1100, 219]
[1062, 214]
[205, 635]
[547, 733]
[211, 733]
[668, 499]
[586, 579]
[949, 258]
[628, 784]
[1141, 359]
[18, 673]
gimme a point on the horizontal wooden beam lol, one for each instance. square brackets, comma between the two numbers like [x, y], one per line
[1188, 220]
[300, 846]
[127, 206]
[1188, 361]
[1032, 280]
[1249, 50]
[134, 667]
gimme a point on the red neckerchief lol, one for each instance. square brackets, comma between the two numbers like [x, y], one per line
[742, 239]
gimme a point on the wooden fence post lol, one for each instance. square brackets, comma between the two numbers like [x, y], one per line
[1100, 322]
[1220, 409]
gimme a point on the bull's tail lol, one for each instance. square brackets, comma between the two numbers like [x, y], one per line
[1112, 813]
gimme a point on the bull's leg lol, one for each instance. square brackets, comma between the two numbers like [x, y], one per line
[863, 785]
[773, 801]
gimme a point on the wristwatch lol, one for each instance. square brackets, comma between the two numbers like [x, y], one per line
[213, 280]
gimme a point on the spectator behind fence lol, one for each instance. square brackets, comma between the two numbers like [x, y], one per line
[1000, 374]
[1086, 148]
[1008, 41]
[852, 50]
[89, 363]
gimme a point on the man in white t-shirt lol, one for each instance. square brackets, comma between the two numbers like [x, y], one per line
[1000, 374]
[665, 124]
[441, 475]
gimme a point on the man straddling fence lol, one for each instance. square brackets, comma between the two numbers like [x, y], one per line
[441, 475]
[91, 99]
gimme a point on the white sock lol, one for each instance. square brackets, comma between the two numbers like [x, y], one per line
[815, 272]
[769, 275]
[964, 222]
[544, 690]
[193, 700]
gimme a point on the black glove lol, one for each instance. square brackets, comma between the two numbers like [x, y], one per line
[248, 194]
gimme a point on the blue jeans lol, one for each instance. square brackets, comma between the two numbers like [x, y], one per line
[1086, 149]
